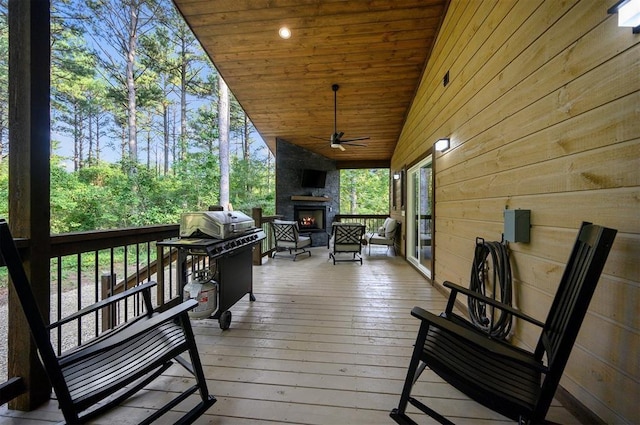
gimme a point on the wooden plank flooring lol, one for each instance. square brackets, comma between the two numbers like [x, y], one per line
[322, 344]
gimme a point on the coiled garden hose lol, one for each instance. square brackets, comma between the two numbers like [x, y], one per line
[486, 318]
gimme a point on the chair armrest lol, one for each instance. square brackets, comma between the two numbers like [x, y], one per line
[103, 303]
[473, 294]
[479, 339]
[129, 332]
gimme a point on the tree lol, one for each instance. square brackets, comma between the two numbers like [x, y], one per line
[204, 127]
[364, 191]
[116, 28]
[157, 57]
[223, 128]
[190, 63]
[75, 90]
[90, 107]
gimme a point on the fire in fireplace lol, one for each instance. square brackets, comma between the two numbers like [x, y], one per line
[310, 218]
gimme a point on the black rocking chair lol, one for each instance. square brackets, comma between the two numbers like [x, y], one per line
[511, 381]
[105, 371]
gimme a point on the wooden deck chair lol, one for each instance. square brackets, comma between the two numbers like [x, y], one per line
[105, 371]
[511, 381]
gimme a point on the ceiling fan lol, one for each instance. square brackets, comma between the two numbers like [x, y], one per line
[336, 140]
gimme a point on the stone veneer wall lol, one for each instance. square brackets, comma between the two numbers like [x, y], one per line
[290, 161]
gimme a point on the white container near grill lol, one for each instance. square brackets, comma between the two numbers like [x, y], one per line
[206, 293]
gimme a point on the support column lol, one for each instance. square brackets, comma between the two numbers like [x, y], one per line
[29, 182]
[256, 214]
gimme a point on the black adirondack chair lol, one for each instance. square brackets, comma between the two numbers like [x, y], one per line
[511, 381]
[105, 371]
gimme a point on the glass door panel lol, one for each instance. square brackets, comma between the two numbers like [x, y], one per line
[419, 220]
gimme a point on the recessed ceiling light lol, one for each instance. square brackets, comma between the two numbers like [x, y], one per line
[284, 32]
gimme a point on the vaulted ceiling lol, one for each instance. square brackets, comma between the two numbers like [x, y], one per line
[375, 50]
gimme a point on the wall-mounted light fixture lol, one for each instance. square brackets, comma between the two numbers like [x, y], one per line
[442, 145]
[397, 193]
[628, 14]
[284, 32]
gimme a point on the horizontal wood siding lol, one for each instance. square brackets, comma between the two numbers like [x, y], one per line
[543, 112]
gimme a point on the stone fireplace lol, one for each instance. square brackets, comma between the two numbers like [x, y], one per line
[310, 218]
[291, 160]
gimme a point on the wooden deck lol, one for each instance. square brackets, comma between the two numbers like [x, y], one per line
[322, 344]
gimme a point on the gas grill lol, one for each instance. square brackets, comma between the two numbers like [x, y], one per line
[214, 248]
[214, 224]
[229, 256]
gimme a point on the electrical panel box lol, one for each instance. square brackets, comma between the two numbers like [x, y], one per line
[516, 225]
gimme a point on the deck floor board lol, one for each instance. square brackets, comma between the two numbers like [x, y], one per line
[322, 344]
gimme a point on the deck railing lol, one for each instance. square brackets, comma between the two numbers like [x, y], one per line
[371, 221]
[88, 266]
[268, 244]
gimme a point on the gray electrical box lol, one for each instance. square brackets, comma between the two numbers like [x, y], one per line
[516, 225]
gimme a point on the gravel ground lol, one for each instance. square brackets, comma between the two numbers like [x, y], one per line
[3, 334]
[69, 335]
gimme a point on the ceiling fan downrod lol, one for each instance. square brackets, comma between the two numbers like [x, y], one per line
[335, 88]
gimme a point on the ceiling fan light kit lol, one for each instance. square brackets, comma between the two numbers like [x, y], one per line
[337, 146]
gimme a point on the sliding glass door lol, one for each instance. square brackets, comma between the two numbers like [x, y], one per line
[419, 215]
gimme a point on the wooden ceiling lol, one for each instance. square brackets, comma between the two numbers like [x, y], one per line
[374, 49]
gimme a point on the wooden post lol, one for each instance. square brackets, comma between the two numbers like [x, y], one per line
[256, 214]
[107, 283]
[29, 206]
[160, 273]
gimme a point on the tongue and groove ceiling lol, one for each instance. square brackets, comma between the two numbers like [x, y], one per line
[375, 50]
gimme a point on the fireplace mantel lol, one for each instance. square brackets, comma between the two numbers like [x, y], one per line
[310, 198]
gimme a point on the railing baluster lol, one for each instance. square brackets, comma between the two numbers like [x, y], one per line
[137, 300]
[79, 300]
[125, 257]
[171, 270]
[96, 279]
[59, 301]
[112, 284]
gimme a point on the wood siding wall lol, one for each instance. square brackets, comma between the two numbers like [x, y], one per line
[543, 112]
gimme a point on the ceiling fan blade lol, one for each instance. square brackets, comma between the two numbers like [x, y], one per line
[354, 139]
[356, 144]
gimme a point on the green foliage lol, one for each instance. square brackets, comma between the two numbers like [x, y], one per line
[177, 115]
[364, 191]
[205, 128]
[250, 187]
[108, 196]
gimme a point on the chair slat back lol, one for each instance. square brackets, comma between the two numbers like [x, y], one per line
[348, 234]
[285, 232]
[571, 302]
